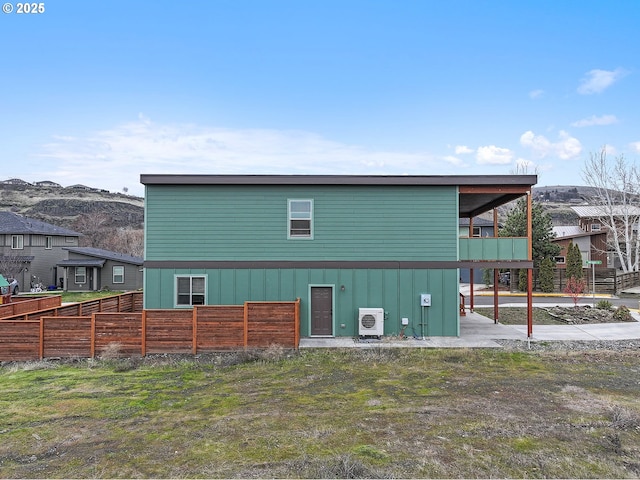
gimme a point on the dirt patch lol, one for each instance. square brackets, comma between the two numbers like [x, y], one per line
[556, 315]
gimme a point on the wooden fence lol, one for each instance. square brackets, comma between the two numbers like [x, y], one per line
[199, 330]
[34, 309]
[608, 280]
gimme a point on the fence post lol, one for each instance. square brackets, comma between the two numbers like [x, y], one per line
[143, 333]
[246, 324]
[194, 341]
[93, 335]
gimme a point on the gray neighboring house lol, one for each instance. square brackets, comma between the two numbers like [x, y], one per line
[34, 248]
[88, 268]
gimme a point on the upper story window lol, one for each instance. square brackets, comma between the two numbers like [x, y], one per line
[190, 290]
[17, 242]
[595, 227]
[48, 242]
[560, 260]
[300, 219]
[118, 274]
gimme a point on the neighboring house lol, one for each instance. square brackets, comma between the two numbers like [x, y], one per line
[35, 246]
[47, 183]
[595, 218]
[592, 245]
[481, 228]
[89, 268]
[339, 243]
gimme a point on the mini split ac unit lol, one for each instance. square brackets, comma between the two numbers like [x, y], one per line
[371, 322]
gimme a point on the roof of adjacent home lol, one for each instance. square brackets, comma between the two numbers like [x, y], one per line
[16, 224]
[597, 211]
[477, 193]
[572, 231]
[101, 254]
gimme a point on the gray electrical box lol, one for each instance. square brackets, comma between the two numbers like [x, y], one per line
[425, 299]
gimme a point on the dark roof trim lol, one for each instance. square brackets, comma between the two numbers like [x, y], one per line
[80, 262]
[405, 180]
[382, 264]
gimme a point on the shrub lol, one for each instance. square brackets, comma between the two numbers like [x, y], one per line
[622, 314]
[604, 305]
[546, 275]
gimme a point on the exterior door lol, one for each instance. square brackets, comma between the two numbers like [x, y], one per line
[321, 311]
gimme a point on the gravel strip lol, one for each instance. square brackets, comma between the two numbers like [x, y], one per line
[578, 345]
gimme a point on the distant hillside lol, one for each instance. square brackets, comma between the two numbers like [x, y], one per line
[62, 206]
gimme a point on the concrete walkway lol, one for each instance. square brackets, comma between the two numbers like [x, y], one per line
[478, 331]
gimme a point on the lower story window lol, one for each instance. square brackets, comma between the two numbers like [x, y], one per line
[81, 275]
[190, 290]
[118, 274]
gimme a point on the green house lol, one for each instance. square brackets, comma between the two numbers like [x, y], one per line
[356, 250]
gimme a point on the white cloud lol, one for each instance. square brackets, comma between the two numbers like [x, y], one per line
[492, 155]
[596, 81]
[115, 158]
[533, 94]
[635, 146]
[565, 148]
[453, 160]
[462, 149]
[595, 120]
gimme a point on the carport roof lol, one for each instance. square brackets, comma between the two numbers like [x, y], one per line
[81, 262]
[477, 193]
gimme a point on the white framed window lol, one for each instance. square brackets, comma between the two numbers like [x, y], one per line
[190, 290]
[48, 242]
[81, 275]
[476, 232]
[300, 219]
[69, 240]
[17, 242]
[118, 274]
[560, 260]
[595, 227]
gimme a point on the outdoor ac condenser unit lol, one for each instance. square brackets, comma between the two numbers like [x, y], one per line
[371, 322]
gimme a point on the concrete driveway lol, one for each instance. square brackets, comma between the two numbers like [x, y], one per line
[478, 331]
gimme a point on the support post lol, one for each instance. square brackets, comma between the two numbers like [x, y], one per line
[530, 270]
[471, 303]
[496, 274]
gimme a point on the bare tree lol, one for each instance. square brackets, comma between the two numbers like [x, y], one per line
[616, 194]
[11, 265]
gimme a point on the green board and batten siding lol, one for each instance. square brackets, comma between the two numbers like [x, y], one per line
[350, 224]
[374, 223]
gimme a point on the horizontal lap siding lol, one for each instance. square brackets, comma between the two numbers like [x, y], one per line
[271, 323]
[19, 341]
[119, 328]
[66, 337]
[168, 331]
[350, 223]
[220, 328]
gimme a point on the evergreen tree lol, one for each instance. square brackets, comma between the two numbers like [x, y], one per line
[487, 276]
[574, 262]
[546, 275]
[515, 225]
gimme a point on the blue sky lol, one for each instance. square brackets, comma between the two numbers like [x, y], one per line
[99, 92]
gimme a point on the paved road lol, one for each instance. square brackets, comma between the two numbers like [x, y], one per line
[487, 300]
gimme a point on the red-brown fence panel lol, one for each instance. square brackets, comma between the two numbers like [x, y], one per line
[168, 331]
[19, 340]
[66, 337]
[219, 327]
[117, 334]
[271, 323]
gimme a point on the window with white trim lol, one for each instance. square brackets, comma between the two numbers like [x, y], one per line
[81, 275]
[48, 242]
[595, 227]
[560, 260]
[118, 274]
[300, 224]
[476, 232]
[17, 242]
[190, 290]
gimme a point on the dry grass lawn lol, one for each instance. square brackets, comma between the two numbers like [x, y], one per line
[325, 414]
